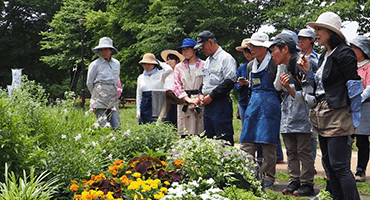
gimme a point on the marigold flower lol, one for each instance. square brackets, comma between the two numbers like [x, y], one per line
[74, 181]
[178, 162]
[77, 196]
[128, 172]
[167, 183]
[163, 163]
[74, 188]
[163, 189]
[136, 175]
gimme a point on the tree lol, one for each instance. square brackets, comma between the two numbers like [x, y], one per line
[20, 24]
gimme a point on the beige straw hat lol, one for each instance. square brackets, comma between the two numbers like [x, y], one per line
[149, 58]
[243, 45]
[165, 53]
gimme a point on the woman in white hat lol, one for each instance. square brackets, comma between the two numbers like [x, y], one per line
[152, 78]
[169, 110]
[361, 46]
[338, 94]
[102, 77]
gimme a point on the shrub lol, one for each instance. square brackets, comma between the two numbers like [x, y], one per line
[208, 158]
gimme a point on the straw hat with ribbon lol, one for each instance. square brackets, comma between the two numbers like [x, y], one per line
[165, 54]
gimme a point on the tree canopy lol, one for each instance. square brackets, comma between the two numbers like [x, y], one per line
[46, 35]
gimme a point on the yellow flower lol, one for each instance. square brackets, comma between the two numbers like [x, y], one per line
[74, 188]
[163, 189]
[77, 196]
[136, 175]
[163, 163]
[128, 172]
[134, 186]
[167, 183]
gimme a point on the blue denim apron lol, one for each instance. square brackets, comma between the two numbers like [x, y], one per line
[146, 108]
[262, 117]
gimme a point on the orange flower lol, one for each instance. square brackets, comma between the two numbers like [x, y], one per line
[74, 188]
[77, 196]
[74, 181]
[118, 162]
[178, 162]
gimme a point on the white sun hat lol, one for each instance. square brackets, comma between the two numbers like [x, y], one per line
[105, 42]
[260, 40]
[330, 21]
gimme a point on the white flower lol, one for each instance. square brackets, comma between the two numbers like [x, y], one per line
[64, 136]
[214, 190]
[113, 138]
[109, 157]
[194, 183]
[83, 151]
[78, 137]
[65, 110]
[104, 151]
[87, 113]
[210, 181]
[95, 143]
[96, 125]
[107, 125]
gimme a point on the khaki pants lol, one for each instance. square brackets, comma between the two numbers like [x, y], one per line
[268, 168]
[298, 146]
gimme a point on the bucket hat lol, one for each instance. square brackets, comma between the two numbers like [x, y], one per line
[259, 40]
[203, 37]
[286, 39]
[149, 58]
[307, 32]
[243, 45]
[363, 43]
[188, 42]
[330, 21]
[165, 53]
[105, 42]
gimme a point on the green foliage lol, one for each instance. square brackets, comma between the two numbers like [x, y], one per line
[207, 158]
[237, 193]
[29, 187]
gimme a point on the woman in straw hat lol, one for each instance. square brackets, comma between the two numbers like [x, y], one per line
[338, 95]
[102, 77]
[361, 46]
[169, 110]
[188, 77]
[152, 78]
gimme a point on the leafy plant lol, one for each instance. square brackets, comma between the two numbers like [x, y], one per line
[29, 187]
[208, 158]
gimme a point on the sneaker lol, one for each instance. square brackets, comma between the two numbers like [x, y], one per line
[267, 184]
[360, 176]
[293, 186]
[304, 190]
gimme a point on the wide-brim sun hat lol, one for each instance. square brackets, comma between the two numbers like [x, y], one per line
[165, 54]
[105, 42]
[149, 58]
[328, 20]
[243, 45]
[259, 40]
[363, 43]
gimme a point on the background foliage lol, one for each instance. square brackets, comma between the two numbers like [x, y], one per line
[43, 37]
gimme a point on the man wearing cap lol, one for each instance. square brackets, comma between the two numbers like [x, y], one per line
[295, 124]
[306, 40]
[188, 77]
[101, 81]
[218, 80]
[361, 47]
[262, 117]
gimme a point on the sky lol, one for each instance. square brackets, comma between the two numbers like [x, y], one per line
[349, 29]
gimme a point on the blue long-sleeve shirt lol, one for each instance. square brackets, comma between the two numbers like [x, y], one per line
[243, 90]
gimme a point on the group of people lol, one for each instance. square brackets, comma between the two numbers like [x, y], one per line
[285, 88]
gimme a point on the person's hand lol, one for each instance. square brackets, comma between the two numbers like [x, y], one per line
[304, 64]
[242, 82]
[138, 116]
[284, 79]
[206, 100]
